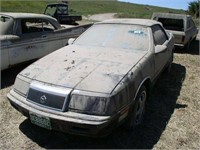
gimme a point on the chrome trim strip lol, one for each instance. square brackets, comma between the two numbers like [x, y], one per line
[65, 116]
[58, 91]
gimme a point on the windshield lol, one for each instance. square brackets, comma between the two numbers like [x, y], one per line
[116, 36]
[62, 10]
[6, 25]
[54, 10]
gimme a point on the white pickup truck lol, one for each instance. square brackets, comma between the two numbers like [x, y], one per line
[181, 25]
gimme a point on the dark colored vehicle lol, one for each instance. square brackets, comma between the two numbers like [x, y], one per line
[60, 12]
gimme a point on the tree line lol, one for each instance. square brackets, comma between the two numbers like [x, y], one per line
[193, 8]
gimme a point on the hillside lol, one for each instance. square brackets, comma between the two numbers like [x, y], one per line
[86, 7]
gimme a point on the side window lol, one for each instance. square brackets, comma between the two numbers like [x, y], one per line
[47, 26]
[6, 25]
[159, 35]
[172, 24]
[188, 24]
[62, 10]
[36, 25]
[50, 11]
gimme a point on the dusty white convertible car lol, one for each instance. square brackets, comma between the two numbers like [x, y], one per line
[26, 36]
[99, 81]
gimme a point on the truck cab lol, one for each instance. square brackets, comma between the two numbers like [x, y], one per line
[181, 25]
[60, 12]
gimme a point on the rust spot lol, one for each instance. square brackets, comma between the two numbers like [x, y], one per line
[73, 62]
[27, 74]
[69, 68]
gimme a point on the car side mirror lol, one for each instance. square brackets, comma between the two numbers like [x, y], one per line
[160, 48]
[71, 41]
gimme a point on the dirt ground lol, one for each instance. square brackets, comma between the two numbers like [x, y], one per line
[171, 121]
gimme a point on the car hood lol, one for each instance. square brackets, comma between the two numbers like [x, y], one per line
[84, 68]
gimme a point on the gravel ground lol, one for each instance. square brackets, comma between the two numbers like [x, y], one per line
[171, 120]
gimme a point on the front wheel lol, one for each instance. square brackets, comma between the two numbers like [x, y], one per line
[187, 46]
[136, 113]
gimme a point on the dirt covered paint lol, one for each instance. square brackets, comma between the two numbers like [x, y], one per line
[103, 81]
[84, 68]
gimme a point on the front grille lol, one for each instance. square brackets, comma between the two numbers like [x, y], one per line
[48, 96]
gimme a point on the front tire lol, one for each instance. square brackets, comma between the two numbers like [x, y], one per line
[137, 111]
[187, 46]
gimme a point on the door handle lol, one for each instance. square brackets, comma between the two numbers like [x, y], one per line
[44, 36]
[30, 47]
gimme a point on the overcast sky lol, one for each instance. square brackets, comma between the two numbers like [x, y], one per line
[177, 4]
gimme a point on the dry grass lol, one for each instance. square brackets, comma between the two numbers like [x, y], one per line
[171, 121]
[87, 7]
[182, 130]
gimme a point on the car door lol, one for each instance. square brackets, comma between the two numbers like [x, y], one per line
[33, 42]
[162, 57]
[4, 62]
[6, 31]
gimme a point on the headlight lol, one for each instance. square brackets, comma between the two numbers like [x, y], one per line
[21, 85]
[88, 104]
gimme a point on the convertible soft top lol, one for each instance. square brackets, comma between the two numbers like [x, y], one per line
[142, 22]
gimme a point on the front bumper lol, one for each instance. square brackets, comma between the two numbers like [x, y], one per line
[67, 122]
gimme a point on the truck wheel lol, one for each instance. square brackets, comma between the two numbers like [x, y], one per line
[187, 46]
[136, 113]
[195, 38]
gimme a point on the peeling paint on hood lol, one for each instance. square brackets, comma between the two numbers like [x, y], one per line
[95, 69]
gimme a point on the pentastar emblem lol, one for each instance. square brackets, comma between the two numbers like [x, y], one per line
[43, 99]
